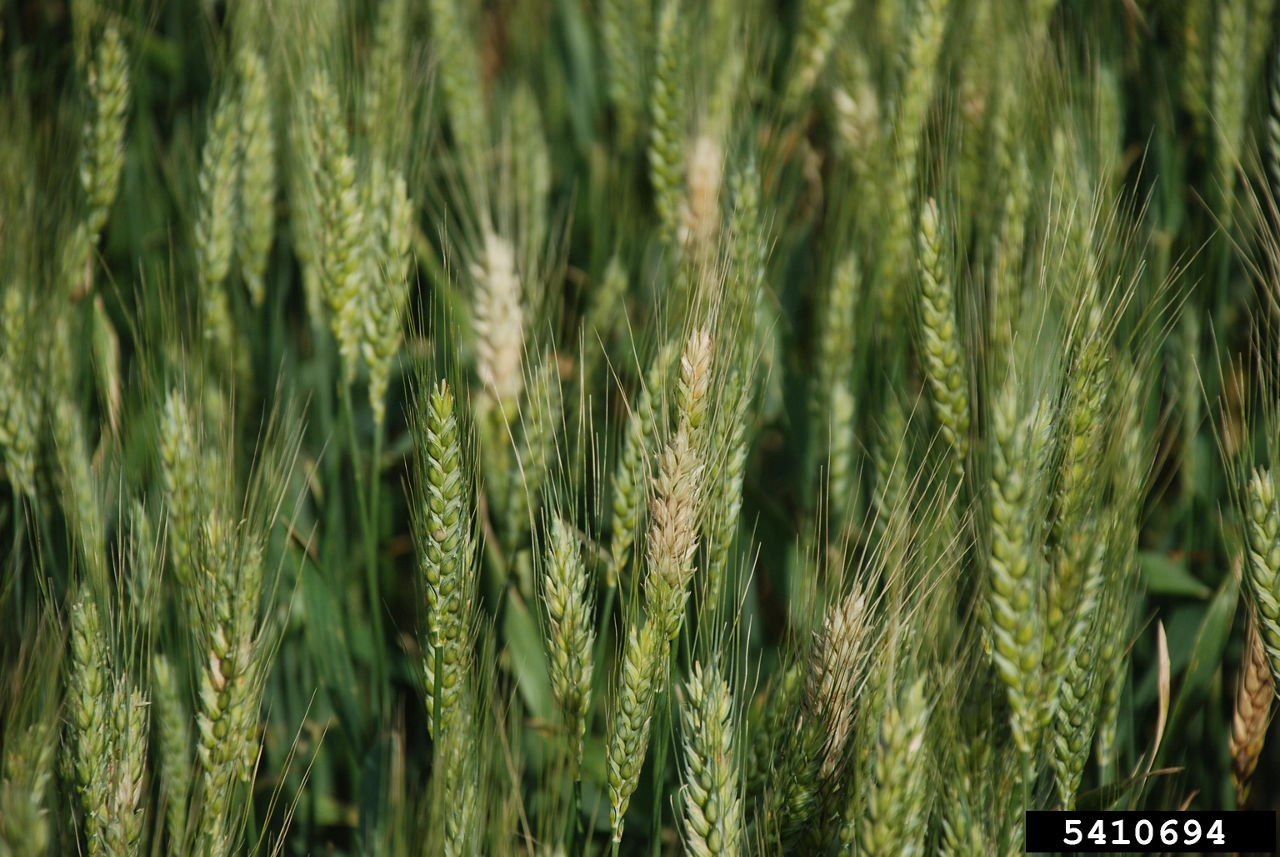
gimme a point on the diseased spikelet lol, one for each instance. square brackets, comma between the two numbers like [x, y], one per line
[1255, 691]
[498, 319]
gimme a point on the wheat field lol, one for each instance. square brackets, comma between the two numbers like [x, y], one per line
[621, 427]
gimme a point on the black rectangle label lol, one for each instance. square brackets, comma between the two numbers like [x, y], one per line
[1151, 832]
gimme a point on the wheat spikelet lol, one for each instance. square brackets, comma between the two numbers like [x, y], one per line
[20, 410]
[626, 33]
[835, 348]
[1075, 718]
[77, 482]
[173, 744]
[460, 81]
[88, 708]
[632, 469]
[1113, 658]
[712, 808]
[1229, 88]
[1014, 618]
[628, 736]
[1006, 282]
[543, 412]
[121, 829]
[257, 180]
[1273, 130]
[389, 285]
[724, 501]
[1076, 580]
[384, 80]
[889, 494]
[24, 779]
[105, 344]
[923, 48]
[1263, 565]
[230, 681]
[102, 157]
[857, 113]
[898, 792]
[306, 208]
[215, 227]
[940, 337]
[460, 782]
[667, 142]
[184, 496]
[673, 539]
[342, 230]
[821, 21]
[603, 316]
[443, 535]
[571, 631]
[219, 200]
[1254, 693]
